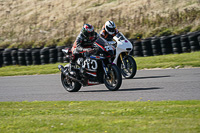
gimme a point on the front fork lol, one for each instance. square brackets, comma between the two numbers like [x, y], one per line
[106, 71]
[123, 61]
[104, 68]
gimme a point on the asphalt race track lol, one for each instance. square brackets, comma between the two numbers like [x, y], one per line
[154, 85]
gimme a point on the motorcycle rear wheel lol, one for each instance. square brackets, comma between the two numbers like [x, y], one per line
[69, 85]
[114, 81]
[131, 68]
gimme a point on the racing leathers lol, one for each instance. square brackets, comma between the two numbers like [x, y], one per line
[106, 35]
[81, 44]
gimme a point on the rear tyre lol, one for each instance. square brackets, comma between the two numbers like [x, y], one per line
[69, 85]
[114, 79]
[129, 70]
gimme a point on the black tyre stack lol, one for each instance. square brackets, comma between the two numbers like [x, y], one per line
[7, 60]
[21, 57]
[36, 56]
[156, 46]
[14, 56]
[1, 57]
[193, 39]
[44, 55]
[199, 39]
[176, 45]
[166, 45]
[28, 57]
[60, 53]
[53, 55]
[185, 44]
[137, 49]
[132, 51]
[146, 47]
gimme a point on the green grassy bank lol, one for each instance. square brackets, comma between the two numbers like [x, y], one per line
[100, 117]
[170, 61]
[163, 61]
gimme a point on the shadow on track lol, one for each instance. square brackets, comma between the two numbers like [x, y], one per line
[152, 77]
[130, 89]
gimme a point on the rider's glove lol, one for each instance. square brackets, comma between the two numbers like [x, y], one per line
[79, 49]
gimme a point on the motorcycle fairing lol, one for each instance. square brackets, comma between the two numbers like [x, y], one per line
[123, 45]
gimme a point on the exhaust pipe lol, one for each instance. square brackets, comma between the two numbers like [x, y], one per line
[62, 69]
[66, 73]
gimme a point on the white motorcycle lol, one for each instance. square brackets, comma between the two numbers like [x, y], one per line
[123, 60]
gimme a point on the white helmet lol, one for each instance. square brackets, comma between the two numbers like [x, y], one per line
[110, 27]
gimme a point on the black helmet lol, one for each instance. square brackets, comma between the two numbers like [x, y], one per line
[88, 31]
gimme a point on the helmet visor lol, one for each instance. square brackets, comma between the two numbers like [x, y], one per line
[110, 29]
[89, 34]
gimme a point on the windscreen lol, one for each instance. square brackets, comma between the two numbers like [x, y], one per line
[120, 36]
[101, 41]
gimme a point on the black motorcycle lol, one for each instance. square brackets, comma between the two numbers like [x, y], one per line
[92, 69]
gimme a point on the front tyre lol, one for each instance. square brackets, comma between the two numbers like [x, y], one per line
[129, 70]
[113, 80]
[69, 85]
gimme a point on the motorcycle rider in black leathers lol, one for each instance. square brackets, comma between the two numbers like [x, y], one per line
[84, 40]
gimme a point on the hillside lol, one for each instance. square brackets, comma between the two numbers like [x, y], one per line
[25, 23]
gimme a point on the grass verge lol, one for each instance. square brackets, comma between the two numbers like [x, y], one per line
[163, 61]
[100, 116]
[169, 61]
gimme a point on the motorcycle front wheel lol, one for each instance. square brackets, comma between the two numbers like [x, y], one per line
[113, 80]
[129, 70]
[69, 85]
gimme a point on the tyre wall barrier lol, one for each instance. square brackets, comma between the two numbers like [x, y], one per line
[185, 44]
[199, 40]
[173, 44]
[137, 48]
[1, 57]
[53, 55]
[35, 56]
[21, 57]
[7, 60]
[132, 40]
[60, 54]
[28, 57]
[166, 45]
[193, 41]
[153, 46]
[146, 47]
[156, 46]
[44, 56]
[14, 56]
[176, 45]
